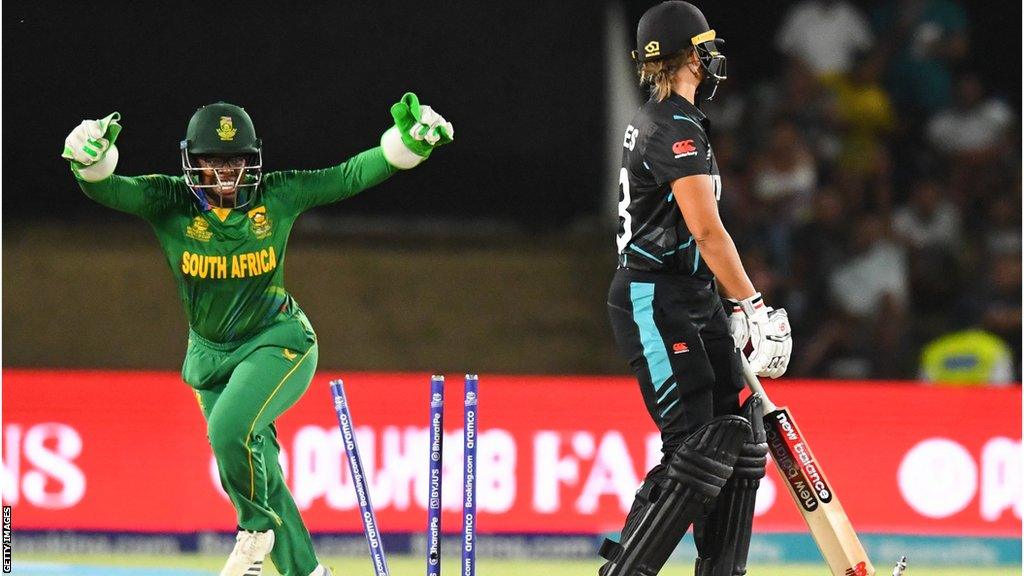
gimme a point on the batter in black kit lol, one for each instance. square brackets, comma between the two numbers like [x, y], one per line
[682, 309]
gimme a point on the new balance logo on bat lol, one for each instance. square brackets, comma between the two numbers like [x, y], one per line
[796, 461]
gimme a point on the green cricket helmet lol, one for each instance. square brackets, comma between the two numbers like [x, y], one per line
[224, 131]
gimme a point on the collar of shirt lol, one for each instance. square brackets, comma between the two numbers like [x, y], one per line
[690, 110]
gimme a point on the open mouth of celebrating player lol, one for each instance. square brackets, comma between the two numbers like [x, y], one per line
[221, 177]
[222, 174]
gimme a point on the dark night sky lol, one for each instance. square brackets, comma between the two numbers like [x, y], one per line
[522, 82]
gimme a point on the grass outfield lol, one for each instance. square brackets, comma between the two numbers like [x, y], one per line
[402, 565]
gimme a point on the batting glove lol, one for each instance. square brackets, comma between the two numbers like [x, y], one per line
[770, 337]
[417, 131]
[90, 148]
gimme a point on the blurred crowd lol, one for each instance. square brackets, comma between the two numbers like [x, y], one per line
[874, 190]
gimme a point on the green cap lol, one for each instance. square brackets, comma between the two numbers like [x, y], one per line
[221, 128]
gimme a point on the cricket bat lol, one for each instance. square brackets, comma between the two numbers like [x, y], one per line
[813, 494]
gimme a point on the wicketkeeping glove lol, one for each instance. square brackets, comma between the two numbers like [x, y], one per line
[417, 131]
[90, 148]
[770, 337]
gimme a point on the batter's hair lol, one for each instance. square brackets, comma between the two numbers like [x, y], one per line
[659, 73]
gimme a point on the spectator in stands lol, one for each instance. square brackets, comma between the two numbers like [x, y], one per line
[866, 305]
[973, 139]
[1001, 306]
[800, 98]
[969, 357]
[924, 39]
[1003, 223]
[875, 274]
[928, 222]
[820, 244]
[784, 179]
[872, 288]
[826, 35]
[987, 347]
[929, 226]
[865, 113]
[974, 128]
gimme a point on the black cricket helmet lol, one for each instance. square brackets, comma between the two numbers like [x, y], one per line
[225, 131]
[668, 28]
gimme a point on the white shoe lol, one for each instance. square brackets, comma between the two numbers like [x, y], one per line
[251, 548]
[321, 570]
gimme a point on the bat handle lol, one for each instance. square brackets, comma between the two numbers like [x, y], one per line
[755, 384]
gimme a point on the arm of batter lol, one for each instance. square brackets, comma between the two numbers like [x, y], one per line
[695, 196]
[768, 328]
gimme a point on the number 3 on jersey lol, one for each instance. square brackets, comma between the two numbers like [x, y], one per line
[625, 220]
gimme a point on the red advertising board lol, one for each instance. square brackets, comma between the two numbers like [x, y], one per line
[127, 451]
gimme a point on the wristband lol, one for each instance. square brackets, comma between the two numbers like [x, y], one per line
[732, 306]
[396, 152]
[752, 305]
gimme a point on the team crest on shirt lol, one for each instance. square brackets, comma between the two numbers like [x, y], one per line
[259, 222]
[199, 229]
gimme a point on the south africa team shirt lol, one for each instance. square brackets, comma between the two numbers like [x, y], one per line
[228, 264]
[665, 141]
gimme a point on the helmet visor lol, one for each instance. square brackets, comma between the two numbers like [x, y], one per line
[712, 61]
[222, 182]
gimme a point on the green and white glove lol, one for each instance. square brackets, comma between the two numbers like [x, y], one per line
[90, 148]
[417, 131]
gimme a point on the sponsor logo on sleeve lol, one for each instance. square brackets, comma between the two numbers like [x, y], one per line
[684, 149]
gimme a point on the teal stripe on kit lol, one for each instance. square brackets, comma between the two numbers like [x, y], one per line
[642, 295]
[638, 250]
[666, 393]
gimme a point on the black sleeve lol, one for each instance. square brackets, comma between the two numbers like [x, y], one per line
[677, 150]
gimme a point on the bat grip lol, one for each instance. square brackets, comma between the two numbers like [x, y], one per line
[755, 384]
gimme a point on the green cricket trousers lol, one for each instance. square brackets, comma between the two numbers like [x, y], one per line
[242, 387]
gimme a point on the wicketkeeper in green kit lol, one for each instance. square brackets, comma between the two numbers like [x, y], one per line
[223, 227]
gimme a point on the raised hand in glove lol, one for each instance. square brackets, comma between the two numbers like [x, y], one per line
[90, 148]
[417, 131]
